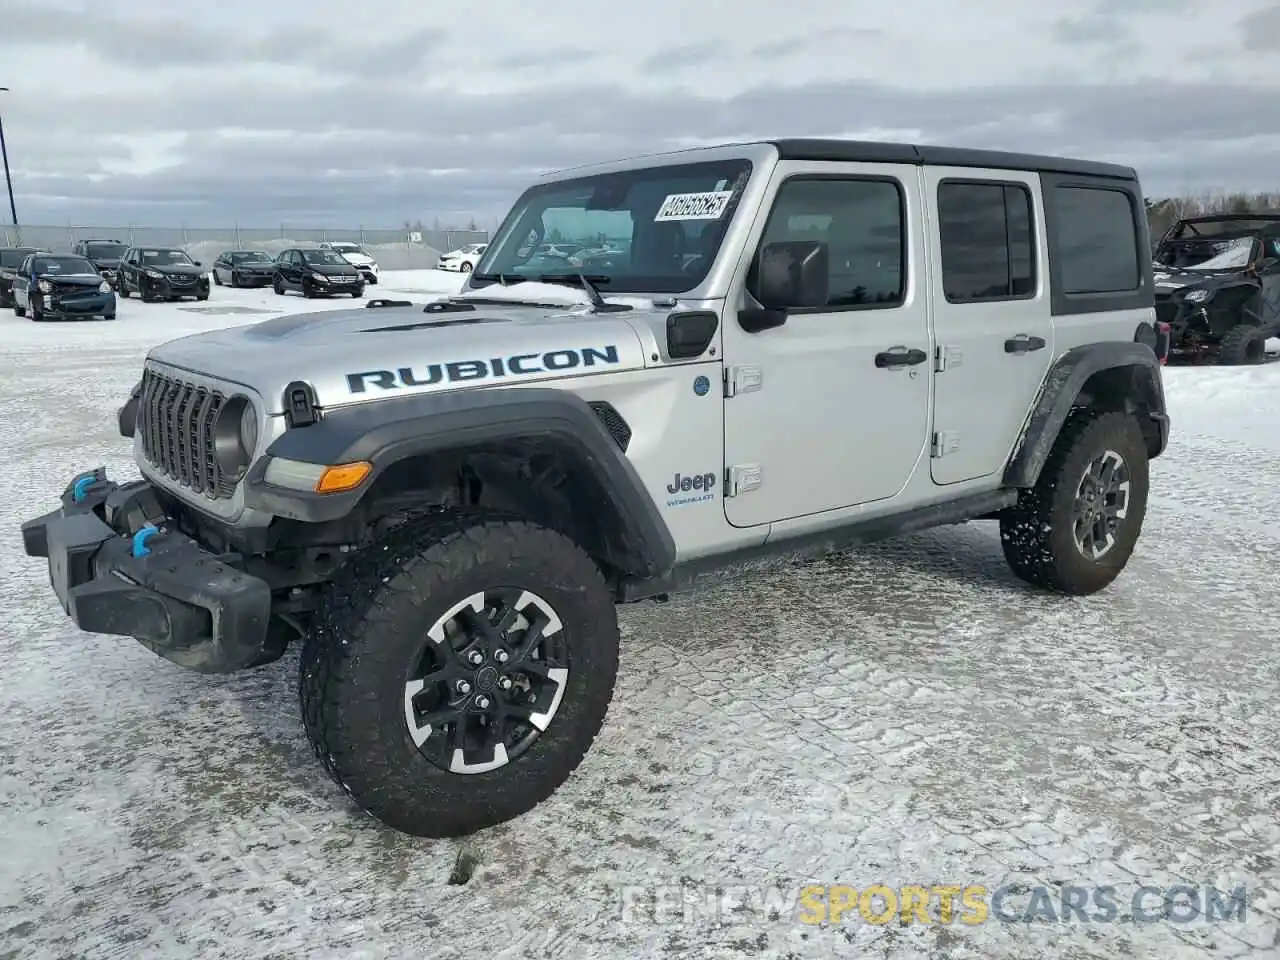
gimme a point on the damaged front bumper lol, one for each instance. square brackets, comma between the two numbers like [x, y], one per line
[119, 566]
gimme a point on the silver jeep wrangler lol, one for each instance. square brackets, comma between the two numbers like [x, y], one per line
[660, 368]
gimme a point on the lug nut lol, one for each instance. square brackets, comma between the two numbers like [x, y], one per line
[482, 702]
[463, 686]
[502, 656]
[504, 683]
[476, 657]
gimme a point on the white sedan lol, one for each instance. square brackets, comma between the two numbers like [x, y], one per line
[464, 259]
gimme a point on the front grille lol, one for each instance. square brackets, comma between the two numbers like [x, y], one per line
[176, 426]
[180, 281]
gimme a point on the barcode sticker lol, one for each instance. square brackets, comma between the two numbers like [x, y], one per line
[694, 206]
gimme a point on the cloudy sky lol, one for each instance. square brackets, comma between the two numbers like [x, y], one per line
[321, 112]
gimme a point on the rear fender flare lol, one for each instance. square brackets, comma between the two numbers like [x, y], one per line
[1137, 384]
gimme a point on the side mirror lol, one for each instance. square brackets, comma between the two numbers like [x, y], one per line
[790, 275]
[794, 274]
[198, 263]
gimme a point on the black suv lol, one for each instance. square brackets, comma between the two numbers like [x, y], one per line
[103, 254]
[1217, 285]
[317, 273]
[10, 261]
[161, 273]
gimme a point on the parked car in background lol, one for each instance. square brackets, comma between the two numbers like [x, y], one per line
[162, 273]
[103, 254]
[464, 259]
[244, 268]
[1217, 285]
[317, 273]
[356, 255]
[62, 287]
[10, 260]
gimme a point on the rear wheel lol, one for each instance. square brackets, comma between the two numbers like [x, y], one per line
[459, 671]
[1074, 531]
[1242, 345]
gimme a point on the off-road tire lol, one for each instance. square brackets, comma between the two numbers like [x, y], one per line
[1036, 533]
[1242, 345]
[371, 628]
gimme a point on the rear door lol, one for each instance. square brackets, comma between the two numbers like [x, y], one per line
[990, 312]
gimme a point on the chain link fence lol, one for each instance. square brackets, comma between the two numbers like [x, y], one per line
[393, 249]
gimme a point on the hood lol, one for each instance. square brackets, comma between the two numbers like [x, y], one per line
[72, 279]
[1169, 280]
[362, 259]
[330, 269]
[176, 269]
[259, 266]
[360, 355]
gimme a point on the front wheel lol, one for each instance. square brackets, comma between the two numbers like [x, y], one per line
[1074, 531]
[1242, 345]
[459, 671]
[278, 286]
[358, 292]
[217, 279]
[465, 267]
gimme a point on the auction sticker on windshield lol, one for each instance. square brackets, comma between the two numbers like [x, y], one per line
[694, 206]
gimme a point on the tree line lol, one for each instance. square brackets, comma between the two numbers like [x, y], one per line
[1163, 212]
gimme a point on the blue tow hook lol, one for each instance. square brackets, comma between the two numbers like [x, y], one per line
[81, 488]
[140, 548]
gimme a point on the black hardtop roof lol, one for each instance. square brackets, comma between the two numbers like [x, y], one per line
[870, 151]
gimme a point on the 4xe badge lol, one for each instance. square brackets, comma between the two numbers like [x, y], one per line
[684, 490]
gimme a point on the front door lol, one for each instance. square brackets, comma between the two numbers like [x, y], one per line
[825, 413]
[990, 315]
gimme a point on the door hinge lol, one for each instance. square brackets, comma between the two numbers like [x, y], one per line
[742, 478]
[944, 358]
[944, 442]
[742, 380]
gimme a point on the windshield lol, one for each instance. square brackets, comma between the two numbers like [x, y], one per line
[346, 247]
[655, 230]
[250, 256]
[107, 249]
[324, 256]
[65, 266]
[1234, 255]
[14, 258]
[166, 258]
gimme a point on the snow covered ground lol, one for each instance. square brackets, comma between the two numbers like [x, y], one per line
[904, 714]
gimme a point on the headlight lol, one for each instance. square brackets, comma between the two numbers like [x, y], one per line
[104, 287]
[249, 429]
[154, 274]
[1197, 296]
[320, 277]
[43, 286]
[235, 436]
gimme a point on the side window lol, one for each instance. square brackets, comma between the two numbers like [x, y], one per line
[988, 245]
[1097, 240]
[863, 225]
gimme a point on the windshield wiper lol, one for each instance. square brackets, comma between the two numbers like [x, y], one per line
[586, 281]
[506, 279]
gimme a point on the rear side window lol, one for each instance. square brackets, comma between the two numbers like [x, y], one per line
[984, 229]
[1097, 240]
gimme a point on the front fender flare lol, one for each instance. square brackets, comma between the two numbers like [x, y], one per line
[389, 431]
[1138, 380]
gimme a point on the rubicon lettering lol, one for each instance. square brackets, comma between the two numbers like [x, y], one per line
[494, 368]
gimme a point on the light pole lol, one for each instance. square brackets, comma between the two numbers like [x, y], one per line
[8, 180]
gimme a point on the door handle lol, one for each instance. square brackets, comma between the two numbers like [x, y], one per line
[1023, 344]
[900, 357]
